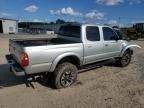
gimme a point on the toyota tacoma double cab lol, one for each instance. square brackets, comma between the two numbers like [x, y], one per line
[76, 47]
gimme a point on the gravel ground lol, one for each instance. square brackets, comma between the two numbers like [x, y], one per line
[103, 87]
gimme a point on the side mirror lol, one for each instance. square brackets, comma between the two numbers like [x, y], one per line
[115, 38]
[127, 39]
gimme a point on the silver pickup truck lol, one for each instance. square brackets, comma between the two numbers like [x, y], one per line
[76, 46]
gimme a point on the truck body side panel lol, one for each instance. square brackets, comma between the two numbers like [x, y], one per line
[41, 58]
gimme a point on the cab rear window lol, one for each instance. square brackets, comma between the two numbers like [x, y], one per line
[70, 31]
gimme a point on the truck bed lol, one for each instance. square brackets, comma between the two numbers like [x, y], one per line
[40, 42]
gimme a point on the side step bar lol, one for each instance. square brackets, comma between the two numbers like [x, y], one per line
[95, 65]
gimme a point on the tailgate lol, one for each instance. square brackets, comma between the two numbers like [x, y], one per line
[15, 50]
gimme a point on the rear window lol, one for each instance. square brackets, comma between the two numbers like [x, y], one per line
[70, 31]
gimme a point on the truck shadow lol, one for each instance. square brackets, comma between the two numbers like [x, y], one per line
[8, 79]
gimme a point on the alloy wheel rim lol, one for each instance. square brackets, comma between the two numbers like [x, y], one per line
[126, 59]
[67, 78]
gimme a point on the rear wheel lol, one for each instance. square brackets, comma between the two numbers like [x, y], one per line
[65, 75]
[125, 59]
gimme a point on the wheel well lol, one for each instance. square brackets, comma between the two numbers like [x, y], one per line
[130, 51]
[127, 50]
[72, 59]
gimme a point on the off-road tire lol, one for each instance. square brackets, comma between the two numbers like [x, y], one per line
[125, 59]
[65, 75]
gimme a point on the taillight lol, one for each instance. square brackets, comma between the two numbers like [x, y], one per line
[24, 59]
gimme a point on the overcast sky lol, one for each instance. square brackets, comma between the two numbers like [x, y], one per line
[92, 11]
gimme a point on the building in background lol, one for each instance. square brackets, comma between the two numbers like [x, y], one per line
[38, 27]
[42, 27]
[8, 26]
[46, 29]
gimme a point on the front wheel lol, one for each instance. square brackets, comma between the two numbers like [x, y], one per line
[65, 75]
[125, 59]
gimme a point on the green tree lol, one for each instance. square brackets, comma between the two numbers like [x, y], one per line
[60, 21]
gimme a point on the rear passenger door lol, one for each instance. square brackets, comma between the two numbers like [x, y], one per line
[93, 47]
[112, 46]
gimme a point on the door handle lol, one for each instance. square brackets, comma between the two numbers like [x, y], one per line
[106, 44]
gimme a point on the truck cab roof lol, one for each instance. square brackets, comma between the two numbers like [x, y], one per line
[85, 24]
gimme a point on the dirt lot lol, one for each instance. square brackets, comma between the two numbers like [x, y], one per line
[104, 87]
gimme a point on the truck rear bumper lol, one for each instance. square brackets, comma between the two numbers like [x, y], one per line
[14, 66]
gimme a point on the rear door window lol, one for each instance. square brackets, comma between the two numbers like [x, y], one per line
[92, 33]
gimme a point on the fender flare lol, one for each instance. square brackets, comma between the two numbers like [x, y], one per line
[60, 57]
[129, 46]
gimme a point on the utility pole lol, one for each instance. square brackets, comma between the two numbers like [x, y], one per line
[119, 21]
